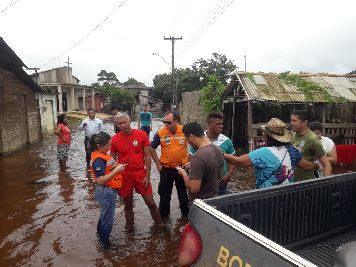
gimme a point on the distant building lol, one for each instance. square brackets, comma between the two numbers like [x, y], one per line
[70, 95]
[253, 99]
[143, 95]
[20, 116]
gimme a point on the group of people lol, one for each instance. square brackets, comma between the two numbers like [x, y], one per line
[122, 164]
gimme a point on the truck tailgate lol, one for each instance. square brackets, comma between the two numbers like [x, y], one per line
[227, 242]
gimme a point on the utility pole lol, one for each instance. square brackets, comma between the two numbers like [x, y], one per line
[174, 93]
[68, 63]
[245, 62]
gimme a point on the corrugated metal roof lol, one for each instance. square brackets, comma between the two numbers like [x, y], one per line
[270, 87]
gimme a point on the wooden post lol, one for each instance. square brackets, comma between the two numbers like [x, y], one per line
[323, 117]
[249, 122]
[72, 99]
[60, 102]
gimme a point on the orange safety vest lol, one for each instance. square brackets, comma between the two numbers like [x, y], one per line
[114, 182]
[173, 147]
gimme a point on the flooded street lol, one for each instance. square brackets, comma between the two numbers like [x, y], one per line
[49, 217]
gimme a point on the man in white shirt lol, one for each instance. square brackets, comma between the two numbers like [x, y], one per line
[90, 125]
[328, 144]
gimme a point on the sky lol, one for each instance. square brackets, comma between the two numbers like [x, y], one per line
[123, 36]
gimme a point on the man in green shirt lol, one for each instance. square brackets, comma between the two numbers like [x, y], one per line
[308, 144]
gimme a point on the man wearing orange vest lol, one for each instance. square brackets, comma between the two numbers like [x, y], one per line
[173, 154]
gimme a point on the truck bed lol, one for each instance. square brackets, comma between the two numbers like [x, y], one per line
[323, 253]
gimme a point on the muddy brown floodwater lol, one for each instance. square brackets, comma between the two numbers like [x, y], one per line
[48, 217]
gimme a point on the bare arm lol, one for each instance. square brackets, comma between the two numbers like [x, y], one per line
[243, 161]
[156, 159]
[82, 125]
[326, 165]
[147, 152]
[307, 165]
[332, 155]
[107, 177]
[193, 185]
[230, 170]
[57, 131]
[139, 122]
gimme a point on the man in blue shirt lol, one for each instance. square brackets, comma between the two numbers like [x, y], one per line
[215, 122]
[145, 121]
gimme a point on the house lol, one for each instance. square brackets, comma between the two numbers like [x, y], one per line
[48, 110]
[144, 97]
[20, 116]
[70, 95]
[254, 98]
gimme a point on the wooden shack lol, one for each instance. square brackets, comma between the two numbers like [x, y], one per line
[254, 98]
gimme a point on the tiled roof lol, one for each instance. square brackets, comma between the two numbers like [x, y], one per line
[271, 87]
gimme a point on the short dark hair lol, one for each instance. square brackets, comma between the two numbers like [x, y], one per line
[175, 115]
[315, 125]
[60, 119]
[193, 128]
[215, 115]
[113, 107]
[101, 138]
[90, 109]
[303, 115]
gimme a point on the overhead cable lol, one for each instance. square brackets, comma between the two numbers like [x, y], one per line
[6, 8]
[85, 36]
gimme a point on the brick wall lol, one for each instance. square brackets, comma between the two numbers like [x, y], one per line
[12, 135]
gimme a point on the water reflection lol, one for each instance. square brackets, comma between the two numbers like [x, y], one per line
[49, 217]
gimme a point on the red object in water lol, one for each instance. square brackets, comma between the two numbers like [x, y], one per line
[346, 154]
[190, 246]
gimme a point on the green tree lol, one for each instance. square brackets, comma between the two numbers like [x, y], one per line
[162, 87]
[132, 81]
[107, 78]
[186, 80]
[109, 86]
[117, 96]
[217, 65]
[212, 94]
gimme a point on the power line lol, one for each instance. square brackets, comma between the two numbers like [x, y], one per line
[85, 36]
[6, 8]
[210, 20]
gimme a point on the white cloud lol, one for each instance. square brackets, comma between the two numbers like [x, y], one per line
[315, 36]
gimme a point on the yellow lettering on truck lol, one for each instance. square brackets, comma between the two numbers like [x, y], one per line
[223, 259]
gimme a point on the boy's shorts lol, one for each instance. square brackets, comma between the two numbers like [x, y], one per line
[134, 180]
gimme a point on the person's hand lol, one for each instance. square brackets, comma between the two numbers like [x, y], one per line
[225, 180]
[158, 166]
[146, 180]
[318, 165]
[181, 171]
[119, 168]
[186, 166]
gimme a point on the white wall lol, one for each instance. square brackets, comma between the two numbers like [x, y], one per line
[46, 124]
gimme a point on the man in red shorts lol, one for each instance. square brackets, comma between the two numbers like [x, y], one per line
[132, 147]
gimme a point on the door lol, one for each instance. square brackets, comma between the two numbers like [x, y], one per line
[23, 119]
[80, 103]
[48, 116]
[64, 101]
